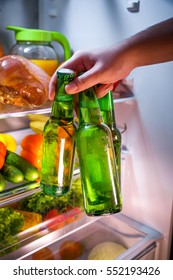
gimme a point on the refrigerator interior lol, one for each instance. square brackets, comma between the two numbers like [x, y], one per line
[147, 172]
[137, 240]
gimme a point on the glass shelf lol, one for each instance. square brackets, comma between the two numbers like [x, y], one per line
[140, 241]
[7, 111]
[123, 93]
[14, 192]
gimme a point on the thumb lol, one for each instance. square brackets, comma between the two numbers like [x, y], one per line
[82, 82]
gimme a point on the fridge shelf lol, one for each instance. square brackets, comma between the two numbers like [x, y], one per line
[30, 210]
[8, 111]
[139, 241]
[13, 192]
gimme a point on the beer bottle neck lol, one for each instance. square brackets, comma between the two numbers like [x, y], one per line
[107, 109]
[62, 107]
[89, 111]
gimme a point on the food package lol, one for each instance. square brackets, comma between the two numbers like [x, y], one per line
[22, 83]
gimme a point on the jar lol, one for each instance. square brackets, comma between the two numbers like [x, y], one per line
[36, 45]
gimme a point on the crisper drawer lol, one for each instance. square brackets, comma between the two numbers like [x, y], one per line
[89, 239]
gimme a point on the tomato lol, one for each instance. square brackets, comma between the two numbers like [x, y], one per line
[70, 250]
[43, 254]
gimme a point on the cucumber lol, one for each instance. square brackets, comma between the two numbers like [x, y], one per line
[12, 174]
[2, 183]
[29, 171]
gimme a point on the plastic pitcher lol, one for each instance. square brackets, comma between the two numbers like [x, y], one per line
[35, 45]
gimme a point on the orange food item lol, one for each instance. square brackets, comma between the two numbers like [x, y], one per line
[2, 154]
[33, 143]
[22, 83]
[32, 149]
[30, 219]
[43, 254]
[70, 250]
[3, 149]
[33, 159]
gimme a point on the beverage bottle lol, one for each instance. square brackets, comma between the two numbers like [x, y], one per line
[107, 111]
[59, 141]
[96, 158]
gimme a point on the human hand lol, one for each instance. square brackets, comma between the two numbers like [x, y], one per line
[103, 67]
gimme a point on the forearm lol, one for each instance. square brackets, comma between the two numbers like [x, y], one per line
[152, 45]
[106, 66]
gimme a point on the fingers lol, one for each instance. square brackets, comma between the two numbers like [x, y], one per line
[75, 63]
[84, 81]
[102, 90]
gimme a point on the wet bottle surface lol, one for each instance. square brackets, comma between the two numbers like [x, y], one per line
[97, 159]
[107, 111]
[59, 142]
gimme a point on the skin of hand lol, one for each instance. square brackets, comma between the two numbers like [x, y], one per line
[107, 66]
[98, 67]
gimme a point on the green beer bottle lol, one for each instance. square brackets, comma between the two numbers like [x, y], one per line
[96, 158]
[59, 141]
[107, 111]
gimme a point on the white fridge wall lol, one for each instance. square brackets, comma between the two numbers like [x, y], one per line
[147, 178]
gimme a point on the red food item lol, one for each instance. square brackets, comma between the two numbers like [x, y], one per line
[70, 250]
[33, 143]
[43, 254]
[51, 214]
[32, 149]
[3, 149]
[22, 83]
[73, 214]
[56, 220]
[33, 159]
[2, 154]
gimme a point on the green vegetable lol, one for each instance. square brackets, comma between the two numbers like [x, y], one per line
[11, 223]
[12, 173]
[2, 183]
[42, 203]
[30, 172]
